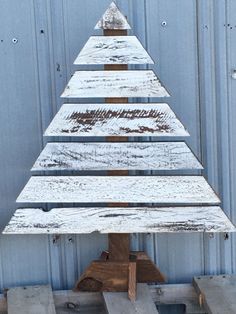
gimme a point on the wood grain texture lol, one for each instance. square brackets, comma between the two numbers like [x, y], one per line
[31, 299]
[116, 120]
[104, 276]
[118, 303]
[95, 84]
[217, 293]
[113, 50]
[119, 247]
[132, 284]
[119, 220]
[116, 156]
[119, 189]
[113, 19]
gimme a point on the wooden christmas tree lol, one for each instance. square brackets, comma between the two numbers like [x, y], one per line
[177, 203]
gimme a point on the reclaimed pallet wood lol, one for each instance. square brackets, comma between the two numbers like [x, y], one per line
[116, 120]
[116, 156]
[119, 189]
[113, 50]
[104, 84]
[113, 19]
[217, 293]
[118, 302]
[30, 299]
[119, 220]
[93, 302]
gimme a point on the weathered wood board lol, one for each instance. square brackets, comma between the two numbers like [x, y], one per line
[113, 50]
[119, 220]
[119, 189]
[116, 156]
[104, 84]
[118, 302]
[116, 120]
[30, 300]
[113, 19]
[217, 293]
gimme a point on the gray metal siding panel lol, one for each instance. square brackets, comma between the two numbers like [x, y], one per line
[195, 54]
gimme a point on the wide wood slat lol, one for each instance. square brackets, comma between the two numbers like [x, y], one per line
[119, 220]
[113, 19]
[118, 303]
[116, 120]
[217, 293]
[118, 189]
[104, 84]
[30, 300]
[113, 50]
[116, 156]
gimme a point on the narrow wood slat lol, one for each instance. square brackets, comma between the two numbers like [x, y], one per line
[95, 84]
[30, 299]
[119, 189]
[119, 220]
[113, 19]
[113, 50]
[116, 156]
[116, 120]
[217, 293]
[118, 302]
[132, 284]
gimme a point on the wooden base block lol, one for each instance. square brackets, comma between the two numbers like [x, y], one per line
[104, 276]
[114, 276]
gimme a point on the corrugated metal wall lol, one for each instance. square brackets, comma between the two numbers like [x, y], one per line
[195, 54]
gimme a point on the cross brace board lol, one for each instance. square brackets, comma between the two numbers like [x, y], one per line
[119, 220]
[113, 50]
[116, 156]
[181, 190]
[104, 84]
[123, 120]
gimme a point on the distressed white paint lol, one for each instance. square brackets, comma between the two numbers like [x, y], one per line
[125, 189]
[116, 156]
[30, 300]
[113, 50]
[136, 83]
[112, 19]
[116, 120]
[119, 220]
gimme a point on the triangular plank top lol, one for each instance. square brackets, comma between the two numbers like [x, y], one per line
[113, 50]
[105, 84]
[113, 19]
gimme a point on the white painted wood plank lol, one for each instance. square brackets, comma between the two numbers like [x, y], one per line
[113, 50]
[119, 220]
[94, 84]
[116, 156]
[217, 293]
[113, 19]
[118, 302]
[125, 189]
[30, 299]
[116, 120]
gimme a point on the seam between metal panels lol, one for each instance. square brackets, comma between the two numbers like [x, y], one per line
[203, 257]
[51, 57]
[40, 122]
[227, 9]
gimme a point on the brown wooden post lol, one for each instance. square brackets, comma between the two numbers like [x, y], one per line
[119, 244]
